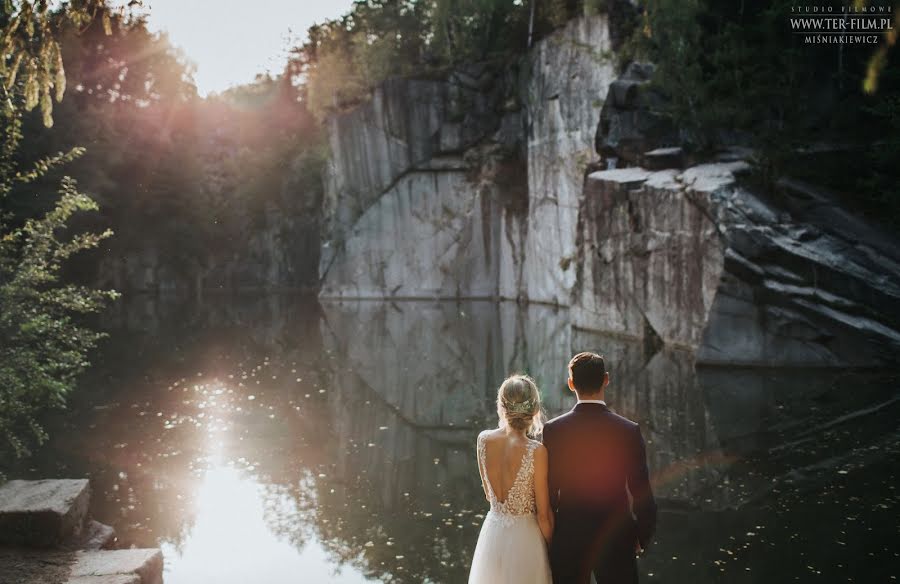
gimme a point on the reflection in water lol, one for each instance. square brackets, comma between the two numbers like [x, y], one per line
[231, 540]
[278, 440]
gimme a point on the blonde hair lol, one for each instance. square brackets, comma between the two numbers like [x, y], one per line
[519, 404]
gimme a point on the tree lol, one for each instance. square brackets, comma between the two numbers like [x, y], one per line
[43, 346]
[31, 54]
[344, 58]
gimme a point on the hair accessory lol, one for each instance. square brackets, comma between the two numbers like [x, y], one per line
[525, 407]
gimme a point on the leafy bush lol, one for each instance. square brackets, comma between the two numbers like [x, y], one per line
[43, 346]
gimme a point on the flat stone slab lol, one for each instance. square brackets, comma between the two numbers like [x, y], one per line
[42, 513]
[114, 579]
[632, 176]
[663, 158]
[707, 178]
[117, 567]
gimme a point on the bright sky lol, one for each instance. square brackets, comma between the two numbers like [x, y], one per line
[230, 41]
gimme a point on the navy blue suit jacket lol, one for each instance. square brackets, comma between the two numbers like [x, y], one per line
[600, 490]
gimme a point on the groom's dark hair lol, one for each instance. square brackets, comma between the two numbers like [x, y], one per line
[587, 371]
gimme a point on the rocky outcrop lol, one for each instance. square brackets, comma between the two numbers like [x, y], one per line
[697, 259]
[133, 566]
[649, 259]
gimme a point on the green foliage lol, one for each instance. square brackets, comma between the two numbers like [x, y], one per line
[345, 58]
[877, 188]
[43, 346]
[736, 73]
[471, 30]
[31, 54]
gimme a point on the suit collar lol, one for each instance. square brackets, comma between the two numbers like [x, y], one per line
[588, 406]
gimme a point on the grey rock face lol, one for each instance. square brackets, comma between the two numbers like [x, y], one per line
[53, 514]
[428, 236]
[408, 126]
[569, 74]
[42, 513]
[423, 189]
[436, 188]
[94, 536]
[649, 258]
[700, 261]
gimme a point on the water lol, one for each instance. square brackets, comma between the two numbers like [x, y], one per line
[272, 439]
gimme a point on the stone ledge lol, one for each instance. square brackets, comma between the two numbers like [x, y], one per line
[113, 579]
[142, 566]
[42, 513]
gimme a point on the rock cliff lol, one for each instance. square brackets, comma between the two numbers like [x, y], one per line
[478, 186]
[422, 186]
[468, 186]
[696, 259]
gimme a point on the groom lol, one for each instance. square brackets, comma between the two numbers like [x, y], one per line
[599, 485]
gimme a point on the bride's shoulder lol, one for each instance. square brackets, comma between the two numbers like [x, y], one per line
[538, 453]
[485, 434]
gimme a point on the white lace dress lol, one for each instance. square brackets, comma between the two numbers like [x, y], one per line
[510, 546]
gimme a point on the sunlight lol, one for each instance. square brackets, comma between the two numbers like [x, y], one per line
[230, 541]
[230, 42]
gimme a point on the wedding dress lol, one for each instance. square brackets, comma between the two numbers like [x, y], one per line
[510, 547]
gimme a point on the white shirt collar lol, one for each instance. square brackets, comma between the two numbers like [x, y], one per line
[592, 401]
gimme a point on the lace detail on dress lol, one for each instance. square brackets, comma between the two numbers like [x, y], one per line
[520, 499]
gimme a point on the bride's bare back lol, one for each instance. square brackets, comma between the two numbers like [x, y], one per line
[504, 456]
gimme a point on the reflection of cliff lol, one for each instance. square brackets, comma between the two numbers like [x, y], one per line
[437, 365]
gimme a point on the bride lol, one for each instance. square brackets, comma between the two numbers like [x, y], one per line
[512, 545]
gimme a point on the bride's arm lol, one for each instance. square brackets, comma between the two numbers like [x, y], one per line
[542, 492]
[478, 448]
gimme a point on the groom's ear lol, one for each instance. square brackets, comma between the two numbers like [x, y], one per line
[571, 383]
[605, 379]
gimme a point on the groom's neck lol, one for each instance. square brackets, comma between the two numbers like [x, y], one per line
[600, 395]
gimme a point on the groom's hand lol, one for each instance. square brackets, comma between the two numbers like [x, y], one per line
[638, 550]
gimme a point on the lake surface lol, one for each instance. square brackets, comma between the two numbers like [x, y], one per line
[274, 439]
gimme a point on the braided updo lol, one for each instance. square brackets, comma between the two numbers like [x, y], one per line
[519, 404]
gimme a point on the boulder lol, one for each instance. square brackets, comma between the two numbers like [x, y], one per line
[42, 513]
